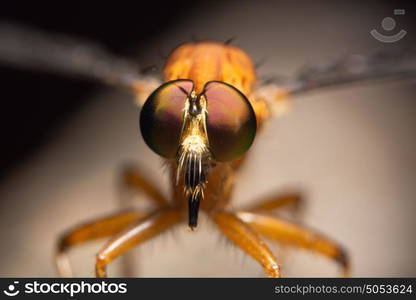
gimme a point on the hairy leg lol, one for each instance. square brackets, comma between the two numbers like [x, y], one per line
[95, 229]
[290, 202]
[134, 179]
[136, 233]
[287, 232]
[242, 235]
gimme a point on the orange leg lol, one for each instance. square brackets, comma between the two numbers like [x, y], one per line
[136, 233]
[291, 202]
[286, 232]
[133, 179]
[272, 203]
[242, 235]
[96, 229]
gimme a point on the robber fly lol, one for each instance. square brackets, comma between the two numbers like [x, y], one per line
[201, 119]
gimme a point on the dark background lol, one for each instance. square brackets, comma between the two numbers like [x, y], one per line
[34, 104]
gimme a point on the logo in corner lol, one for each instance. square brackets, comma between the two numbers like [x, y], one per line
[389, 24]
[11, 289]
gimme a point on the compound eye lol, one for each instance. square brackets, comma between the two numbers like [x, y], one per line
[161, 117]
[231, 122]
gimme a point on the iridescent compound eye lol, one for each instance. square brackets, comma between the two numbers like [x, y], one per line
[161, 117]
[231, 123]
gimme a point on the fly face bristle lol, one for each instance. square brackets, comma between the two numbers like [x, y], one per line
[194, 158]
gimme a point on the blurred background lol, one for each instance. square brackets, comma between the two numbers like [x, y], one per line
[351, 150]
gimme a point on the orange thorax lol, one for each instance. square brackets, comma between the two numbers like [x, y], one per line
[207, 61]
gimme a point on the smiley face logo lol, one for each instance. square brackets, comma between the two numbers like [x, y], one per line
[11, 289]
[389, 24]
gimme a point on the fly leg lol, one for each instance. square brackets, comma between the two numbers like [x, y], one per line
[136, 233]
[134, 180]
[243, 236]
[293, 201]
[95, 229]
[280, 230]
